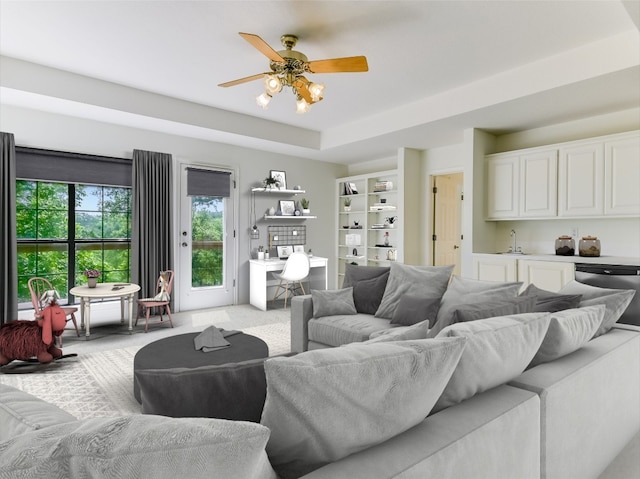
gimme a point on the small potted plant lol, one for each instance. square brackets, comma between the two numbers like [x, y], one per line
[347, 204]
[269, 183]
[304, 202]
[92, 277]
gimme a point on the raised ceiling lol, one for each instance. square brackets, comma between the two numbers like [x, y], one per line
[435, 68]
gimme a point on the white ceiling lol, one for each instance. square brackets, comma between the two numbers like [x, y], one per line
[435, 67]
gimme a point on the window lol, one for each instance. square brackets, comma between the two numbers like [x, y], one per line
[63, 229]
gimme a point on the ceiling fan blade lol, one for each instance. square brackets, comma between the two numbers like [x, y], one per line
[334, 65]
[243, 80]
[301, 84]
[262, 46]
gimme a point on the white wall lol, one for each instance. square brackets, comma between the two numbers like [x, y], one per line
[57, 132]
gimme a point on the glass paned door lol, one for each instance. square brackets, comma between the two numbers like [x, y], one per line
[207, 250]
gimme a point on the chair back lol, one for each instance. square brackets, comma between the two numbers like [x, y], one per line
[37, 287]
[297, 267]
[168, 278]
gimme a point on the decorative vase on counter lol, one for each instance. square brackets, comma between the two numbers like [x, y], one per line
[565, 246]
[92, 282]
[589, 246]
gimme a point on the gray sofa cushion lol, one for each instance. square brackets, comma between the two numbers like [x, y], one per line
[353, 397]
[140, 446]
[369, 283]
[468, 291]
[354, 274]
[491, 309]
[332, 302]
[414, 309]
[21, 412]
[345, 329]
[551, 302]
[426, 281]
[615, 301]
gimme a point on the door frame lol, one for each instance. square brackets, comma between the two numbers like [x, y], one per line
[235, 195]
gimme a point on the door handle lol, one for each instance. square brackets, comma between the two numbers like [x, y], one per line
[185, 244]
[455, 246]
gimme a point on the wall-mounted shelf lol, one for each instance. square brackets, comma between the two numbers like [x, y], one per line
[289, 217]
[260, 189]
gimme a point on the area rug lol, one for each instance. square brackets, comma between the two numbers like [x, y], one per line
[101, 384]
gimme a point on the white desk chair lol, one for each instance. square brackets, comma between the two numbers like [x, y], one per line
[295, 270]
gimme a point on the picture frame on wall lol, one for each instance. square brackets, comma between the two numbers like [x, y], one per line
[280, 177]
[298, 248]
[288, 207]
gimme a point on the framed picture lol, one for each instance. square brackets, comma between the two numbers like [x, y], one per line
[280, 177]
[298, 248]
[288, 207]
[284, 251]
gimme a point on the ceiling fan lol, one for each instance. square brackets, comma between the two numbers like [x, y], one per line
[288, 68]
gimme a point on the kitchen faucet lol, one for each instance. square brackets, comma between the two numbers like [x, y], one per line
[514, 248]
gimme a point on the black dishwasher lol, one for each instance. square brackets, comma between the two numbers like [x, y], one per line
[615, 277]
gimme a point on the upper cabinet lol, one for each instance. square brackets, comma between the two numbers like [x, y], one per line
[588, 178]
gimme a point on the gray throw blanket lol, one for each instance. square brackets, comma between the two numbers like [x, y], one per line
[212, 339]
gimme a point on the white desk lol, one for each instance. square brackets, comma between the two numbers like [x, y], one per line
[104, 290]
[261, 274]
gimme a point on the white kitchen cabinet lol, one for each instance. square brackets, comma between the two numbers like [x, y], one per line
[503, 193]
[538, 184]
[547, 275]
[622, 175]
[495, 268]
[581, 180]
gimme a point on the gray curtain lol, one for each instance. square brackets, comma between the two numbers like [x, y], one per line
[151, 216]
[8, 243]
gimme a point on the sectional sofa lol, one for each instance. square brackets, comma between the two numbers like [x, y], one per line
[520, 394]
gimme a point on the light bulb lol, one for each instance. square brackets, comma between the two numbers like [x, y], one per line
[263, 100]
[272, 84]
[316, 90]
[302, 106]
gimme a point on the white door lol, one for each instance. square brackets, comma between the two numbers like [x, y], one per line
[207, 248]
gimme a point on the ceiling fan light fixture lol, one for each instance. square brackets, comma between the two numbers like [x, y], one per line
[316, 90]
[272, 84]
[263, 100]
[302, 106]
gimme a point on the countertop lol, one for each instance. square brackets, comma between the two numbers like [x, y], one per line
[630, 260]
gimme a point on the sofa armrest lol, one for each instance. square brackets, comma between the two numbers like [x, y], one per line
[301, 313]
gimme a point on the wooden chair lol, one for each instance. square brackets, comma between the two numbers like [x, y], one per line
[161, 300]
[39, 287]
[295, 270]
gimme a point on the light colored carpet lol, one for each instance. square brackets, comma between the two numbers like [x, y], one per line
[99, 381]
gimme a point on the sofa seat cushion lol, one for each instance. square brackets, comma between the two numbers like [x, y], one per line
[327, 404]
[140, 446]
[344, 329]
[20, 412]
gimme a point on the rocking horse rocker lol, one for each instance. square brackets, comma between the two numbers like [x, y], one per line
[25, 339]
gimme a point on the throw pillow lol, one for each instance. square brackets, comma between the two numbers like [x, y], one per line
[498, 350]
[469, 291]
[367, 293]
[491, 309]
[426, 281]
[401, 333]
[550, 302]
[140, 446]
[568, 331]
[615, 301]
[332, 302]
[353, 397]
[354, 273]
[415, 309]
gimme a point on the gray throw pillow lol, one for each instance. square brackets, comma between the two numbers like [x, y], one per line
[332, 302]
[415, 309]
[491, 309]
[548, 301]
[367, 293]
[426, 281]
[469, 291]
[615, 301]
[354, 273]
[568, 331]
[326, 404]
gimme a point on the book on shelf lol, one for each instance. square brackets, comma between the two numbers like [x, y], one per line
[383, 207]
[350, 188]
[382, 186]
